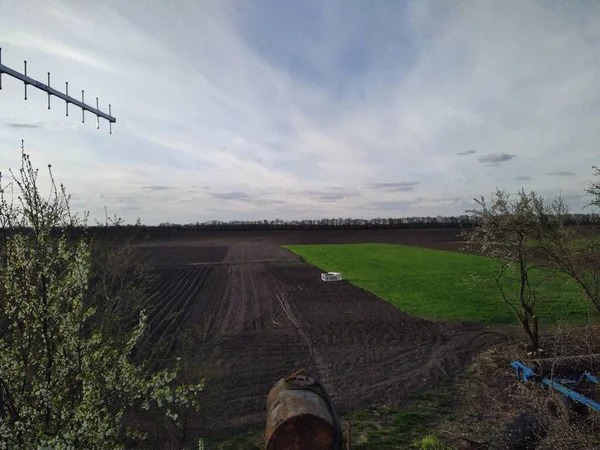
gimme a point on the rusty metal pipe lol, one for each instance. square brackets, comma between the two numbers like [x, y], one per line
[300, 416]
[566, 365]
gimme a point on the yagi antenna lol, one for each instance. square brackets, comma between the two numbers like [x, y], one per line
[65, 96]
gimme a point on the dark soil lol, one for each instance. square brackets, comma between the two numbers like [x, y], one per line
[178, 255]
[441, 238]
[236, 297]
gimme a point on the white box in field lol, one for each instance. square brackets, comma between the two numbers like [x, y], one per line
[331, 276]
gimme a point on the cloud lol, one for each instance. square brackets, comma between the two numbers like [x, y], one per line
[405, 186]
[494, 158]
[24, 125]
[157, 188]
[55, 47]
[186, 199]
[231, 196]
[331, 197]
[239, 98]
[267, 202]
[562, 173]
[396, 205]
[330, 194]
[523, 178]
[449, 200]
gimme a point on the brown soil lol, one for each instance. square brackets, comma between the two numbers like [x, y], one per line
[238, 295]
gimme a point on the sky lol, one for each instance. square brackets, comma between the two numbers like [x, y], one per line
[264, 109]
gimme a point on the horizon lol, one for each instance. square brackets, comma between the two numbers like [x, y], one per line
[261, 110]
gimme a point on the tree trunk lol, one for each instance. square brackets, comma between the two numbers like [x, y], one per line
[532, 337]
[528, 319]
[535, 333]
[529, 323]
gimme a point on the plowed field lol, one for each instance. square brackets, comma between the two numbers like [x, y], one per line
[239, 297]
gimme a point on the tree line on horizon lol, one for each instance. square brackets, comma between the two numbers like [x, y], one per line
[379, 223]
[115, 226]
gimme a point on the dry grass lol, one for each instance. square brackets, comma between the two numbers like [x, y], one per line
[488, 396]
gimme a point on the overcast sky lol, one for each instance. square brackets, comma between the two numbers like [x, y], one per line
[305, 109]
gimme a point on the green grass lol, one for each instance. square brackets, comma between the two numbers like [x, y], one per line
[399, 427]
[438, 285]
[375, 428]
[244, 440]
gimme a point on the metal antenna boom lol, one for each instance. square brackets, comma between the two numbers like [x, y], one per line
[51, 91]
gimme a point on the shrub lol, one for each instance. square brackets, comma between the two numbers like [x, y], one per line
[65, 381]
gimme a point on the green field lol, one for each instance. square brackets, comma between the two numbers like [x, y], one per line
[436, 284]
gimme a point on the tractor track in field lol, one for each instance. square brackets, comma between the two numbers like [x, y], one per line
[364, 350]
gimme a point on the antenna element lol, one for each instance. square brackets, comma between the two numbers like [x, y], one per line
[51, 91]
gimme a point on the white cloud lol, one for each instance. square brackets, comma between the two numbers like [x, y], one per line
[241, 97]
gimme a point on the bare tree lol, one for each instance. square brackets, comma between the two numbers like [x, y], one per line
[594, 189]
[571, 251]
[507, 231]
